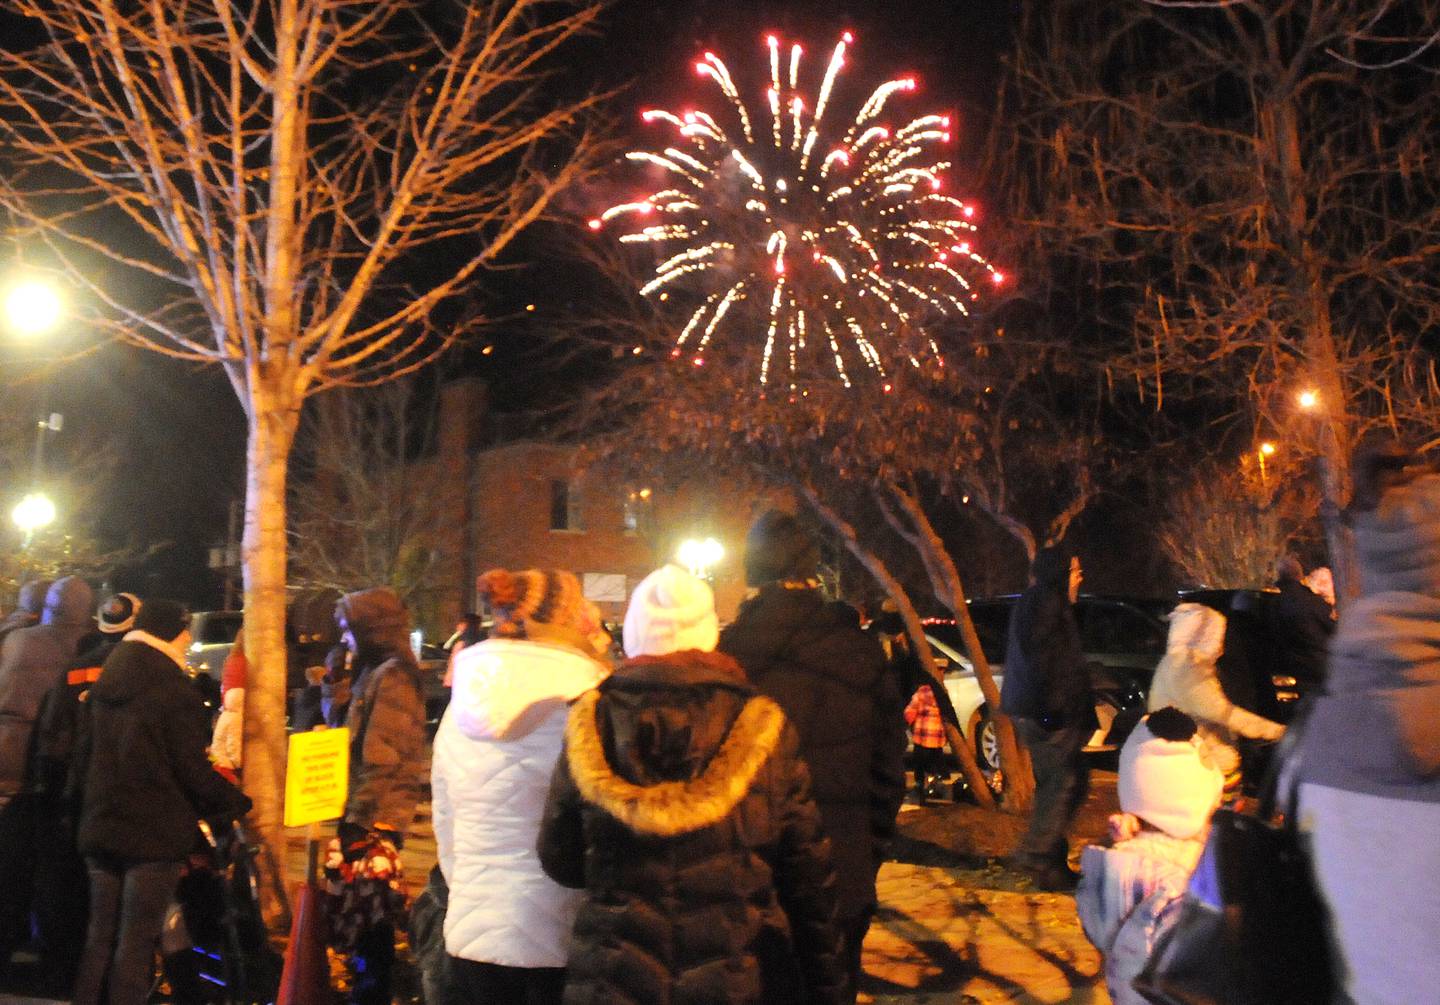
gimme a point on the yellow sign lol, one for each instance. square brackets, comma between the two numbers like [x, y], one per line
[317, 776]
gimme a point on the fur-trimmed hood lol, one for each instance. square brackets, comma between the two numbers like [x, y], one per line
[686, 736]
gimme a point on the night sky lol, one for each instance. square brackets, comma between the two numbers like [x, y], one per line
[176, 434]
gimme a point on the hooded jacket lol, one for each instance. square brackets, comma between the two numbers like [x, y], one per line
[28, 607]
[1186, 678]
[830, 679]
[1046, 680]
[143, 777]
[1376, 730]
[31, 661]
[494, 753]
[386, 717]
[682, 807]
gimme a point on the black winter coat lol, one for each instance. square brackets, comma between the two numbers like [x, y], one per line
[830, 677]
[680, 805]
[1302, 631]
[1046, 679]
[144, 780]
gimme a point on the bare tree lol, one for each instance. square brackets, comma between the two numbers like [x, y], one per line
[1253, 217]
[295, 190]
[367, 514]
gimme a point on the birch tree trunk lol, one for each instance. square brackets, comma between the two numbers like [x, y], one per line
[964, 752]
[1019, 780]
[272, 431]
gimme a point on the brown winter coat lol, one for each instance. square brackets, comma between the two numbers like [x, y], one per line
[386, 717]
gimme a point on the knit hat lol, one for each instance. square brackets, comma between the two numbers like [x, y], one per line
[777, 547]
[117, 615]
[669, 611]
[1163, 780]
[164, 619]
[542, 596]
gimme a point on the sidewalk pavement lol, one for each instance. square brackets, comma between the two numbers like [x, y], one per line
[955, 925]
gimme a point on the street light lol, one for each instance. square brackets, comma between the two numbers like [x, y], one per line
[700, 556]
[32, 513]
[1266, 449]
[1308, 399]
[32, 306]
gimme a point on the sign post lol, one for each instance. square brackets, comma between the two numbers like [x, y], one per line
[317, 777]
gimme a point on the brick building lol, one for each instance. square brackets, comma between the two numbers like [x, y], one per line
[539, 505]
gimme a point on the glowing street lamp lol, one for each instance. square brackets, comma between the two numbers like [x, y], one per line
[32, 307]
[1308, 399]
[1266, 450]
[700, 556]
[32, 513]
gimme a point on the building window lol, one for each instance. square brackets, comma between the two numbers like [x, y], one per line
[637, 510]
[564, 505]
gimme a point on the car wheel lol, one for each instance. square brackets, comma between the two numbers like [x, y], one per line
[987, 744]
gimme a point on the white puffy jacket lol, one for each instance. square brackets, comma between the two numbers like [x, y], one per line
[496, 748]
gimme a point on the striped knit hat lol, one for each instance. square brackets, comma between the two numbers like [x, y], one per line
[534, 596]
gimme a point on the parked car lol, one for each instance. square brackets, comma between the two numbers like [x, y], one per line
[1122, 638]
[213, 636]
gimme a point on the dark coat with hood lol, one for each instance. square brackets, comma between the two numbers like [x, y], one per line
[141, 772]
[31, 661]
[682, 807]
[28, 607]
[1046, 680]
[386, 716]
[830, 678]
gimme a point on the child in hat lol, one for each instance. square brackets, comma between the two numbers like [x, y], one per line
[1129, 894]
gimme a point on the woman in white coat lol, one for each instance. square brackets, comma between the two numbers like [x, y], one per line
[508, 925]
[1186, 678]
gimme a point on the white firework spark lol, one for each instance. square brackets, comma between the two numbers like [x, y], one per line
[847, 234]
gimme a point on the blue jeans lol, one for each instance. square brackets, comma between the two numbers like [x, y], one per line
[1062, 780]
[127, 911]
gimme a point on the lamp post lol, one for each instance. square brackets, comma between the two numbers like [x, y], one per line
[34, 308]
[32, 513]
[1265, 450]
[700, 556]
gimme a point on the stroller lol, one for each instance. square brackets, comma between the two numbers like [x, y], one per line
[216, 949]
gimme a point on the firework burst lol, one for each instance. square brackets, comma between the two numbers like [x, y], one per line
[834, 243]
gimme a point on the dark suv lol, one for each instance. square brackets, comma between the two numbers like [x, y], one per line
[1253, 668]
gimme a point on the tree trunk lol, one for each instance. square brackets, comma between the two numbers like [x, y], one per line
[1019, 781]
[272, 431]
[974, 777]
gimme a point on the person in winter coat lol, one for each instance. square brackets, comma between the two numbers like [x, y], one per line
[1303, 625]
[1129, 894]
[681, 806]
[31, 661]
[1370, 751]
[144, 782]
[61, 880]
[829, 677]
[1186, 678]
[28, 607]
[1047, 693]
[227, 741]
[508, 925]
[927, 735]
[386, 719]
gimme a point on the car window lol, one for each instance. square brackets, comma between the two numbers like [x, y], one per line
[1119, 630]
[992, 625]
[219, 630]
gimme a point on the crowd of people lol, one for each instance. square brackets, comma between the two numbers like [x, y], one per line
[703, 819]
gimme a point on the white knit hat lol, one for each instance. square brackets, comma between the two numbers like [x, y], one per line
[669, 611]
[1164, 781]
